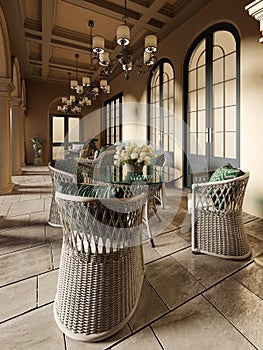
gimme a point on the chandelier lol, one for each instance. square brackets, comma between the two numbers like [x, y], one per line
[83, 93]
[125, 58]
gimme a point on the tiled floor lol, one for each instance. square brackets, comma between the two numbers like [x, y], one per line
[187, 302]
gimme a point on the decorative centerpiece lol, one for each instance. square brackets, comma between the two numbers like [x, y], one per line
[134, 156]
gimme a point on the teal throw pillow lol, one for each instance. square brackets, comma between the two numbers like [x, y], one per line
[225, 172]
[88, 190]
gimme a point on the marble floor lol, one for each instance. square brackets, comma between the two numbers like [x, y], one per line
[187, 301]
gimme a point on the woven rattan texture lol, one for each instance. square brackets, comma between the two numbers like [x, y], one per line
[217, 225]
[56, 176]
[101, 268]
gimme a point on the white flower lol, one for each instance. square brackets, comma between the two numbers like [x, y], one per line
[133, 153]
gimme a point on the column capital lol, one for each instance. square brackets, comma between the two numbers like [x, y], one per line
[255, 9]
[15, 103]
[6, 87]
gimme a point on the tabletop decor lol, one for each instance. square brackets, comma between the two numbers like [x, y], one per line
[134, 156]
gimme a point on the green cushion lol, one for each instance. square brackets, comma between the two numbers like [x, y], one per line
[225, 172]
[88, 190]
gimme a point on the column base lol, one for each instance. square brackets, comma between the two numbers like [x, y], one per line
[7, 190]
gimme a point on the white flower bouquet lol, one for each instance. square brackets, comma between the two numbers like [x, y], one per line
[133, 154]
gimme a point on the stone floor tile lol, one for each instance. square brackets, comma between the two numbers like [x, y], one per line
[185, 233]
[26, 207]
[168, 243]
[172, 282]
[47, 287]
[35, 330]
[251, 277]
[256, 245]
[56, 252]
[143, 340]
[149, 308]
[104, 344]
[254, 228]
[208, 270]
[21, 238]
[197, 325]
[29, 196]
[248, 217]
[47, 203]
[39, 218]
[149, 253]
[241, 307]
[12, 198]
[17, 298]
[53, 233]
[4, 208]
[25, 263]
[14, 222]
[2, 198]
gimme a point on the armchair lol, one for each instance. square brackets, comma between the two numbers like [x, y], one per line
[101, 267]
[217, 225]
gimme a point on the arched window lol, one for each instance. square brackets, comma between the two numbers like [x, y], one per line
[211, 95]
[160, 100]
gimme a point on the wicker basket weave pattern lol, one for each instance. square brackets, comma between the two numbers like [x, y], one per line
[217, 225]
[56, 176]
[101, 268]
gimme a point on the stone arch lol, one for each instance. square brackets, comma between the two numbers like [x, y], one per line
[5, 51]
[16, 78]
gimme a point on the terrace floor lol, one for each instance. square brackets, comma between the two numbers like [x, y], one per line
[187, 301]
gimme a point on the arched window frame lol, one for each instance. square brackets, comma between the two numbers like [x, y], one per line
[208, 33]
[166, 127]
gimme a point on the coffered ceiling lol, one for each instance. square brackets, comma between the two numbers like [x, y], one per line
[45, 35]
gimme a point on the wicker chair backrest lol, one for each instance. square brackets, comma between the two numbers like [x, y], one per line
[159, 160]
[105, 158]
[100, 225]
[224, 195]
[60, 176]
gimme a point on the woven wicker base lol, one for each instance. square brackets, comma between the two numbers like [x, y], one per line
[91, 338]
[232, 257]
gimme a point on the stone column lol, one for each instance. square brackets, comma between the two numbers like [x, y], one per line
[15, 135]
[22, 137]
[6, 87]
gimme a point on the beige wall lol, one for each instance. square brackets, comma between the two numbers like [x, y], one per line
[175, 47]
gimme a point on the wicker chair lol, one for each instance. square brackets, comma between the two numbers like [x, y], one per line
[217, 225]
[56, 176]
[101, 268]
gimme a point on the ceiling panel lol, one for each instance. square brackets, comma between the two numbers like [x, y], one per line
[46, 34]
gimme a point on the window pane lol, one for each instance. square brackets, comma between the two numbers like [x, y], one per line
[218, 95]
[58, 129]
[230, 95]
[198, 56]
[201, 99]
[57, 152]
[231, 119]
[218, 71]
[226, 40]
[201, 144]
[230, 144]
[218, 146]
[230, 66]
[218, 120]
[73, 132]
